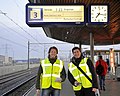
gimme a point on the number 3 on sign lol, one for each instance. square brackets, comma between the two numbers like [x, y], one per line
[35, 14]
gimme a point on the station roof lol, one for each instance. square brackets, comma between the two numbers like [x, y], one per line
[103, 35]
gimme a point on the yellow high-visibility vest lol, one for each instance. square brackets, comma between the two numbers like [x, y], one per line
[50, 73]
[78, 76]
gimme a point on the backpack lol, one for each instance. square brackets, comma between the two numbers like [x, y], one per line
[99, 69]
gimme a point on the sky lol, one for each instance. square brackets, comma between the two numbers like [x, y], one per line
[15, 34]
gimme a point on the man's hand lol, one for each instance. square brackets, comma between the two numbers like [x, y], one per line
[58, 80]
[94, 89]
[38, 92]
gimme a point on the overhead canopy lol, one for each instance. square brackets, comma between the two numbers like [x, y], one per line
[103, 35]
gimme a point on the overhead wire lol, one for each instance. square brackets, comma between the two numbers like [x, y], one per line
[23, 12]
[18, 6]
[13, 42]
[14, 31]
[17, 33]
[5, 14]
[19, 26]
[16, 43]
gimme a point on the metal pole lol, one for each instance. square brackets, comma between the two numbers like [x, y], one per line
[80, 46]
[75, 1]
[28, 54]
[35, 1]
[92, 46]
[74, 45]
[13, 57]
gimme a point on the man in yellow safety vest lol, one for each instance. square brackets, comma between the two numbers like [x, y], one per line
[51, 74]
[81, 85]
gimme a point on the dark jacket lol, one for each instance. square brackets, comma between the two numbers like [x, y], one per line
[76, 62]
[40, 71]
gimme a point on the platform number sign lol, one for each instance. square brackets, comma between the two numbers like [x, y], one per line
[35, 14]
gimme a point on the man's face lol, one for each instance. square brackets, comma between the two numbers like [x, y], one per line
[53, 53]
[76, 53]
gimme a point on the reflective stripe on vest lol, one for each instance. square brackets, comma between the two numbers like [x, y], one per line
[79, 76]
[50, 73]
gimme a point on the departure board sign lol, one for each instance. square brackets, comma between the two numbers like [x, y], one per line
[38, 15]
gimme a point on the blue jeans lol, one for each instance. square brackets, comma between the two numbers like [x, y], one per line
[102, 82]
[50, 92]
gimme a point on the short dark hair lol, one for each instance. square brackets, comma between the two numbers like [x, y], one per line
[76, 48]
[53, 47]
[100, 57]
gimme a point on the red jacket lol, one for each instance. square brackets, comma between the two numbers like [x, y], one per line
[104, 64]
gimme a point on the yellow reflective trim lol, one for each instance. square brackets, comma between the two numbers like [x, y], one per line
[46, 65]
[43, 66]
[70, 67]
[49, 75]
[73, 68]
[56, 75]
[82, 75]
[61, 64]
[46, 75]
[76, 77]
[57, 65]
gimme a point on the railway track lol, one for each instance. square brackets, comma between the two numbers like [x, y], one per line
[18, 83]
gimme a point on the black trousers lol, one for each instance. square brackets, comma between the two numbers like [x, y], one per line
[85, 92]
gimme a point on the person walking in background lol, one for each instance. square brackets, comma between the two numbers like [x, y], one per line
[81, 85]
[51, 74]
[101, 72]
[108, 63]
